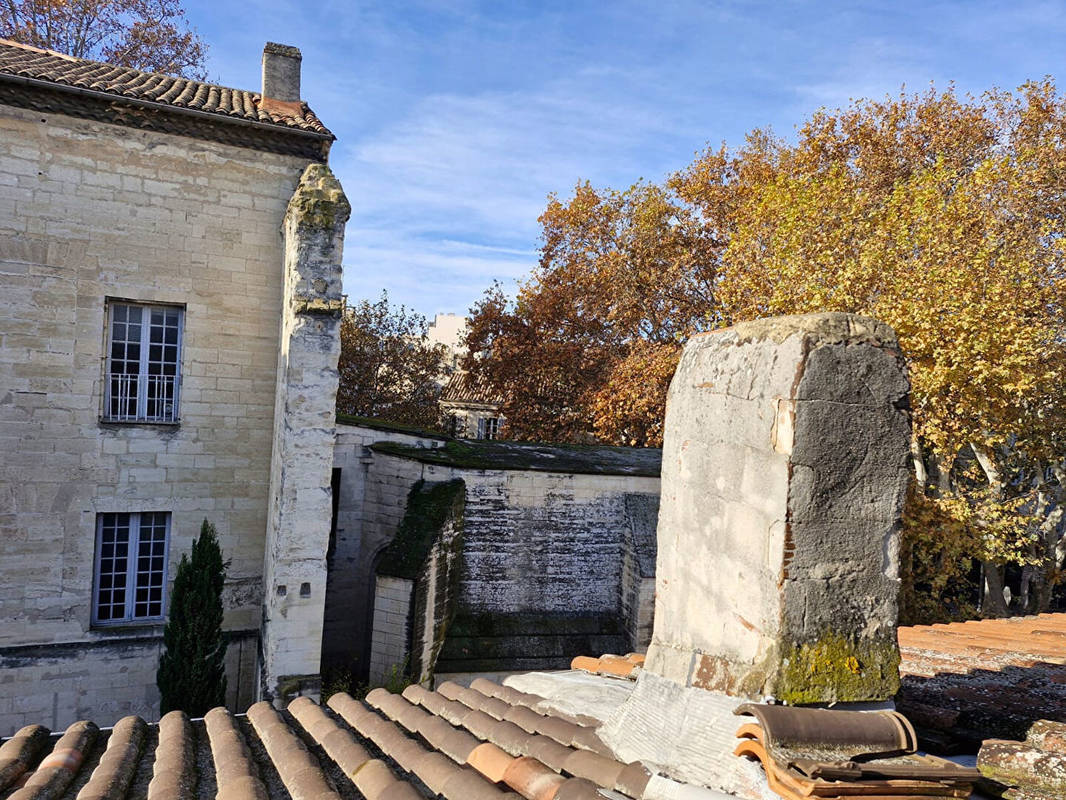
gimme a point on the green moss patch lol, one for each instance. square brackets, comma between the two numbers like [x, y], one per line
[835, 668]
[429, 507]
[500, 455]
[389, 426]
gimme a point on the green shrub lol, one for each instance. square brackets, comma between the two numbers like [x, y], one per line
[192, 673]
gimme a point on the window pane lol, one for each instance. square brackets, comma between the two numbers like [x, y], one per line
[111, 580]
[151, 565]
[145, 391]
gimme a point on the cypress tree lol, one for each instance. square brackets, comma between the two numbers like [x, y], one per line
[192, 675]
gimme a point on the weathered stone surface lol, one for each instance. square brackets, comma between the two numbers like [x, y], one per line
[554, 563]
[304, 421]
[91, 211]
[784, 469]
[1022, 766]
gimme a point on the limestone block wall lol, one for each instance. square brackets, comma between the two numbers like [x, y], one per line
[785, 465]
[638, 568]
[371, 500]
[391, 637]
[298, 526]
[544, 573]
[542, 578]
[90, 211]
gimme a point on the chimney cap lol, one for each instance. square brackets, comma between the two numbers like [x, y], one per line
[282, 50]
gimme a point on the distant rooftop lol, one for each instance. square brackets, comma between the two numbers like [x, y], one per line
[464, 389]
[580, 459]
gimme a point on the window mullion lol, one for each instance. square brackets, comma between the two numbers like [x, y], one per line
[131, 566]
[142, 368]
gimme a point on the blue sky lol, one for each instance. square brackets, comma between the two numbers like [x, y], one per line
[456, 119]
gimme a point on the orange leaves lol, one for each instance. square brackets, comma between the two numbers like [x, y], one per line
[939, 213]
[150, 35]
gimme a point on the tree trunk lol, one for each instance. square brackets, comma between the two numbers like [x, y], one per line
[917, 459]
[992, 602]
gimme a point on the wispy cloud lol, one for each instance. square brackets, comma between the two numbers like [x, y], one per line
[456, 119]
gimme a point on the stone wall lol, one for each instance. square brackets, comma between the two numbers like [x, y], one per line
[544, 555]
[372, 498]
[542, 577]
[391, 639]
[90, 211]
[785, 464]
[298, 527]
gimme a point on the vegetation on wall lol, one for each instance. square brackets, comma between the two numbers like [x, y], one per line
[938, 213]
[149, 35]
[389, 370]
[192, 672]
[429, 506]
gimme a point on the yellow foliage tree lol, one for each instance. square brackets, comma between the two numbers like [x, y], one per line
[939, 214]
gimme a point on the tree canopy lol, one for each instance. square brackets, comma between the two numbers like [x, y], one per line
[938, 213]
[149, 35]
[388, 368]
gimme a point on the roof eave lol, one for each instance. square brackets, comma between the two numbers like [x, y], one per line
[316, 141]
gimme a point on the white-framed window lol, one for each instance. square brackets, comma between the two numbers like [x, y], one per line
[488, 427]
[130, 575]
[143, 362]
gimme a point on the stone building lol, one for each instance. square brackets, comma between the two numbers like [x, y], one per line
[785, 462]
[170, 290]
[470, 409]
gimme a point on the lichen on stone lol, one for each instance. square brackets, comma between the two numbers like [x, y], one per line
[429, 507]
[837, 668]
[319, 200]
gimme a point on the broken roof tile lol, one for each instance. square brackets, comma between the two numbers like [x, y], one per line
[611, 666]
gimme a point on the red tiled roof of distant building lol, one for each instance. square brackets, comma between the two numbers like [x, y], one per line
[25, 72]
[462, 387]
[968, 681]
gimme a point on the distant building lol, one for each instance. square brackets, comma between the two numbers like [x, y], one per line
[471, 410]
[449, 330]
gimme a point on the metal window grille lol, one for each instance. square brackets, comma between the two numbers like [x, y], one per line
[131, 566]
[143, 363]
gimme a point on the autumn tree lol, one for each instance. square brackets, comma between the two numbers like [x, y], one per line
[149, 35]
[942, 215]
[388, 368]
[623, 277]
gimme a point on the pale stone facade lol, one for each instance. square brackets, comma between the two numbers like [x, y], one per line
[92, 213]
[561, 561]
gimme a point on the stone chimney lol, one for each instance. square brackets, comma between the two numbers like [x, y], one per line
[785, 463]
[281, 73]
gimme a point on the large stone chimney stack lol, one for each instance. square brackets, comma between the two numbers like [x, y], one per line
[281, 72]
[785, 463]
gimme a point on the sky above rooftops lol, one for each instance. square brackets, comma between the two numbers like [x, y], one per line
[455, 120]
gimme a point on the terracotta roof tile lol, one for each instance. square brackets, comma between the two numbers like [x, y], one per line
[392, 747]
[462, 387]
[969, 681]
[22, 61]
[818, 752]
[57, 770]
[20, 752]
[611, 666]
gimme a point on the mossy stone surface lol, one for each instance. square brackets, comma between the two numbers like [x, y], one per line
[836, 668]
[429, 506]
